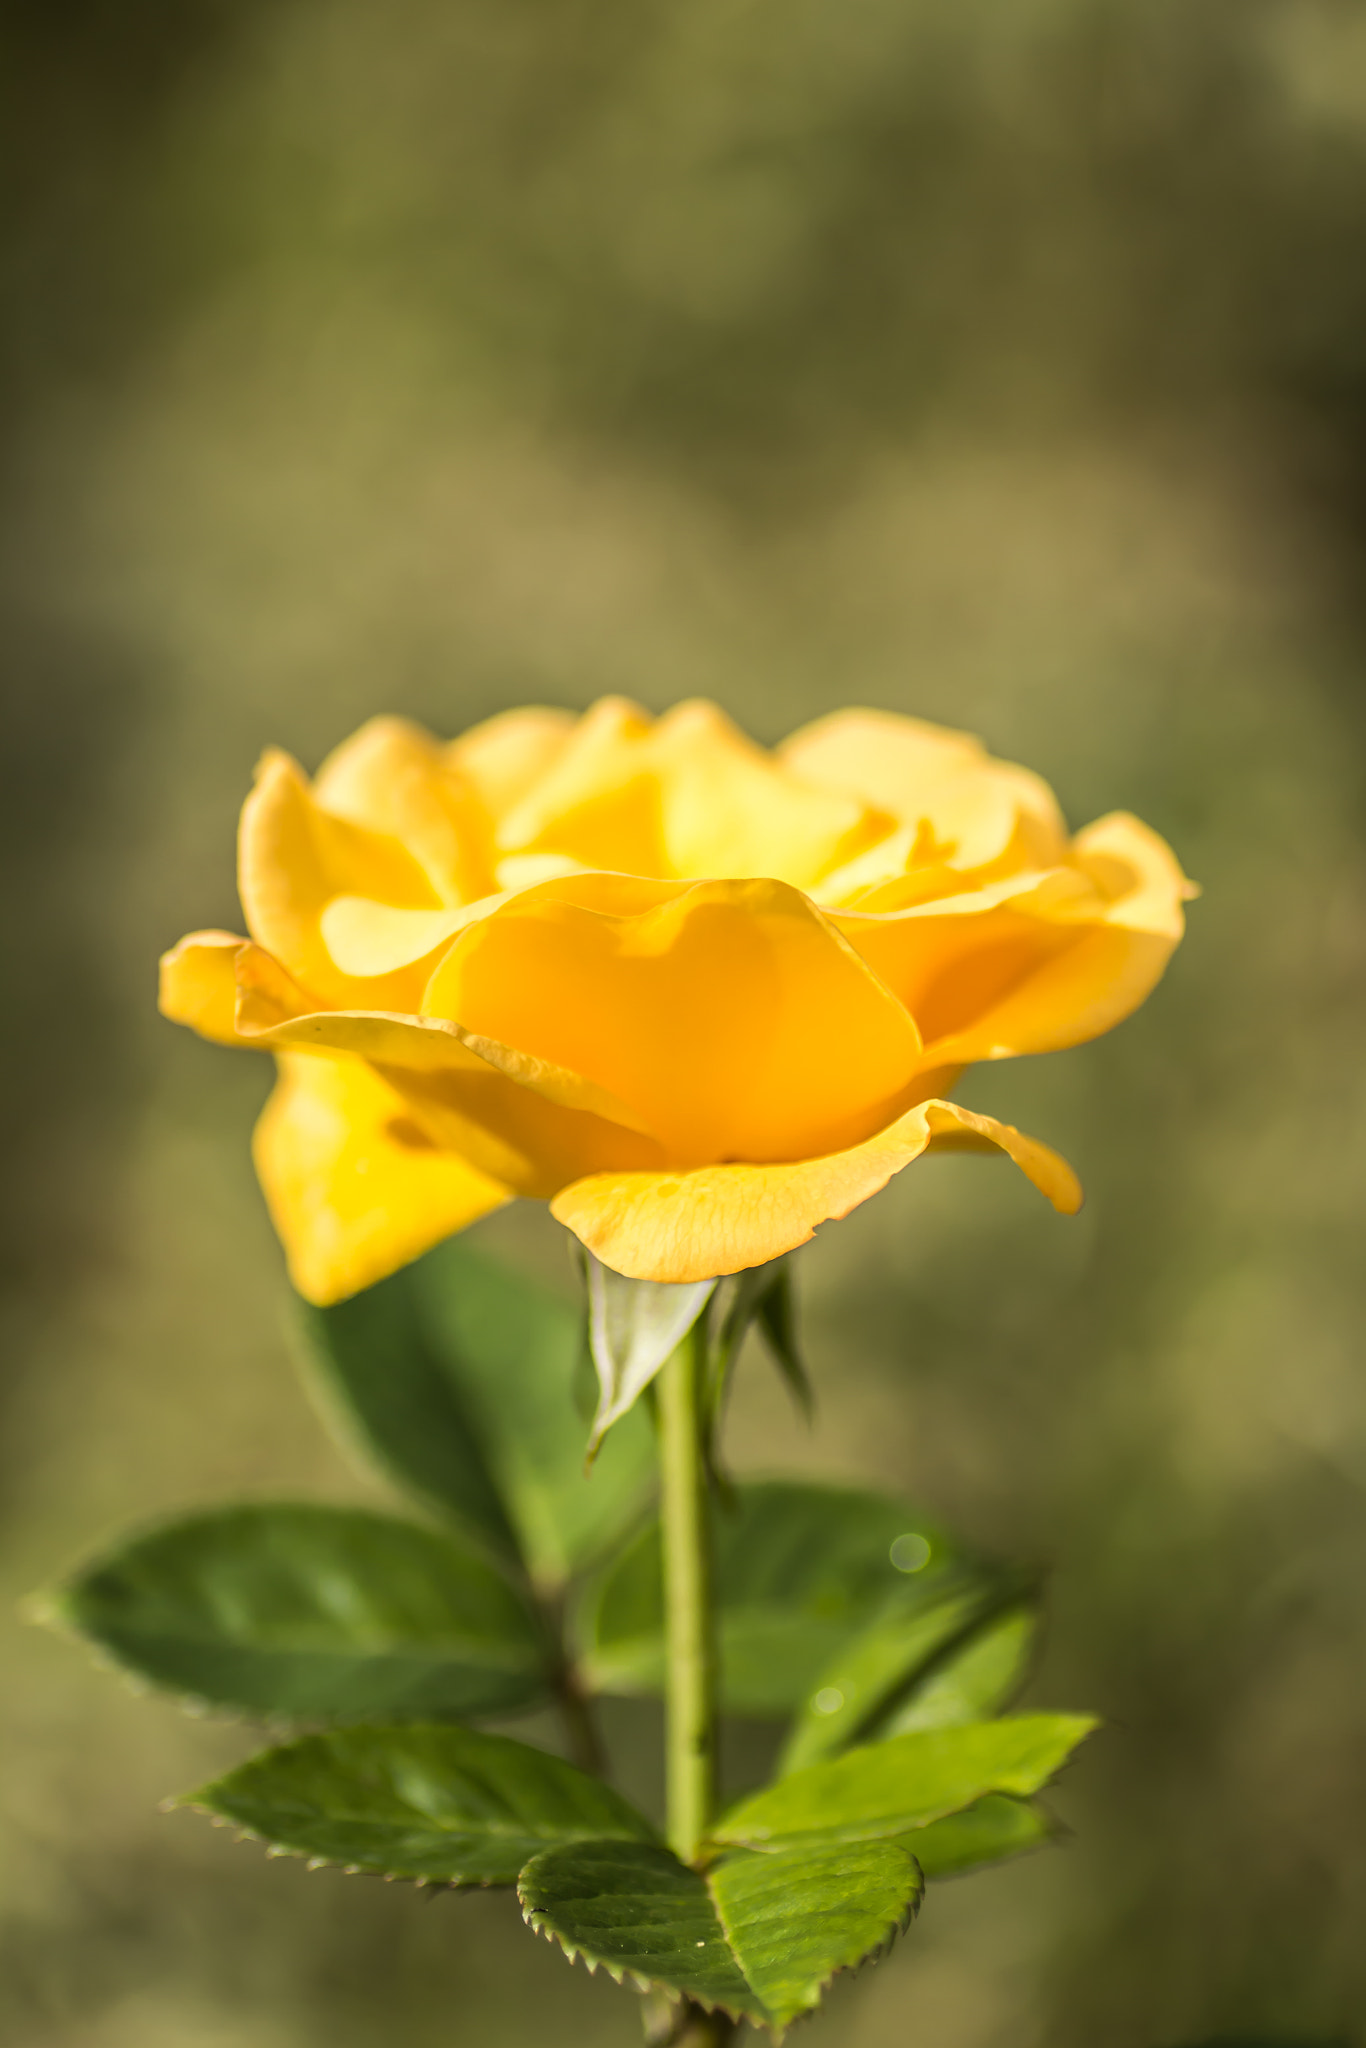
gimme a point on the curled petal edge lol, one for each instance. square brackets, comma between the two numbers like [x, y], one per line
[715, 1220]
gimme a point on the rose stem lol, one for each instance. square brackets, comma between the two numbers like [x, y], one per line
[691, 1689]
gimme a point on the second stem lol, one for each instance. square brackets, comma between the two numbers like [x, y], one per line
[691, 1646]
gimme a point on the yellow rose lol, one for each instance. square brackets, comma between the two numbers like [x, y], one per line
[699, 996]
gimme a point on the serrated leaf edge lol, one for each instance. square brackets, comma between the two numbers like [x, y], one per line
[776, 2029]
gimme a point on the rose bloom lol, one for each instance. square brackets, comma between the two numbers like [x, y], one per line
[699, 996]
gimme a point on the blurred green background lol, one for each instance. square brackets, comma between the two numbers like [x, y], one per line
[1004, 365]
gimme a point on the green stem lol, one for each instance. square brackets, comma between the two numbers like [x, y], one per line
[691, 1688]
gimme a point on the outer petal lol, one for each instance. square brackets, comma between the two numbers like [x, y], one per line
[729, 1017]
[392, 777]
[199, 985]
[355, 1189]
[522, 1121]
[1057, 961]
[294, 858]
[722, 1219]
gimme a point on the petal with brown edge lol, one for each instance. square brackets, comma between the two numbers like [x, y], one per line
[722, 1219]
[354, 1187]
[730, 1017]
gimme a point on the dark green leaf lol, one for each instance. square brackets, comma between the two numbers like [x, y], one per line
[457, 1376]
[977, 1677]
[633, 1327]
[798, 1570]
[312, 1612]
[758, 1936]
[444, 1805]
[989, 1831]
[387, 1389]
[891, 1787]
[512, 1349]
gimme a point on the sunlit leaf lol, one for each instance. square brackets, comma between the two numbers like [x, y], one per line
[446, 1805]
[798, 1570]
[888, 1788]
[758, 1936]
[311, 1613]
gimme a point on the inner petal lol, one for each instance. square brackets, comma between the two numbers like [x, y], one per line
[729, 1016]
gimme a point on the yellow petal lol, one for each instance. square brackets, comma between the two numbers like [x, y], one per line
[368, 940]
[525, 1122]
[506, 756]
[356, 1189]
[687, 796]
[198, 986]
[983, 815]
[392, 777]
[729, 1017]
[599, 803]
[722, 1219]
[1039, 964]
[730, 809]
[294, 858]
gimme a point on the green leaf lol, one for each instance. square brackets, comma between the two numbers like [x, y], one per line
[444, 1805]
[977, 1678]
[756, 1936]
[890, 1787]
[457, 1377]
[311, 1612]
[911, 1636]
[634, 1326]
[799, 1569]
[513, 1349]
[386, 1389]
[989, 1831]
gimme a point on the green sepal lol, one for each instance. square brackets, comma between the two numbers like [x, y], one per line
[311, 1613]
[991, 1830]
[456, 1377]
[758, 1937]
[921, 1634]
[778, 1321]
[634, 1327]
[891, 1787]
[443, 1805]
[798, 1571]
[760, 1296]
